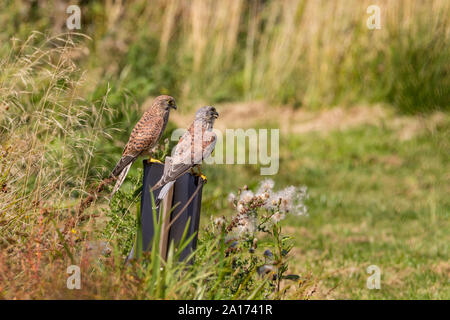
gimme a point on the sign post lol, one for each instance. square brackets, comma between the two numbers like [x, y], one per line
[184, 199]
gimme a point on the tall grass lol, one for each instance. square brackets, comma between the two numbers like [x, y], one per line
[306, 53]
[55, 117]
[49, 137]
[49, 130]
[316, 53]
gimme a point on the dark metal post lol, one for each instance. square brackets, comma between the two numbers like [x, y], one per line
[184, 188]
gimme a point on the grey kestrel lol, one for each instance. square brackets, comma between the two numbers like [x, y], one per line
[194, 146]
[144, 137]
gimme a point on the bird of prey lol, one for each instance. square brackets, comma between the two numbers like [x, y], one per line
[144, 137]
[194, 146]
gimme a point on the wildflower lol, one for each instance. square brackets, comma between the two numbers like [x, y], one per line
[287, 196]
[289, 199]
[231, 198]
[247, 196]
[219, 222]
[268, 254]
[263, 197]
[230, 237]
[265, 186]
[265, 269]
[303, 192]
[240, 208]
[246, 225]
[233, 244]
[277, 217]
[300, 209]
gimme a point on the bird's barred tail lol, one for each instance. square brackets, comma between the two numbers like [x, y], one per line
[121, 165]
[121, 178]
[162, 194]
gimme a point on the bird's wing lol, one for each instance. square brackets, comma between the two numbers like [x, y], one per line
[186, 155]
[209, 144]
[179, 163]
[123, 162]
[144, 136]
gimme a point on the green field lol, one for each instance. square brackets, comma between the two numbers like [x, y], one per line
[377, 197]
[364, 125]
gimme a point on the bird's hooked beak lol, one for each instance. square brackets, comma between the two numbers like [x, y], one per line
[173, 106]
[215, 114]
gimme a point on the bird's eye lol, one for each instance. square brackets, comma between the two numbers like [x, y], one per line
[170, 102]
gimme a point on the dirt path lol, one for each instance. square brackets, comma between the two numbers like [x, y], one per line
[258, 113]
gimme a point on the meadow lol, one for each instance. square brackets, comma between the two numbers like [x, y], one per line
[364, 123]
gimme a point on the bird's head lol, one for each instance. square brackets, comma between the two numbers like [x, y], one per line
[163, 104]
[207, 114]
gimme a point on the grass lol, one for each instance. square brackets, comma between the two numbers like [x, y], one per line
[378, 180]
[380, 203]
[311, 54]
[374, 199]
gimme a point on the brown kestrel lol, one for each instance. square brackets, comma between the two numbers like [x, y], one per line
[194, 146]
[144, 137]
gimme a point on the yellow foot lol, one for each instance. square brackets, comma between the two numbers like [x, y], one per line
[200, 174]
[153, 160]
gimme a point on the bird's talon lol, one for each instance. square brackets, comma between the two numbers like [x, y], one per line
[200, 174]
[153, 160]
